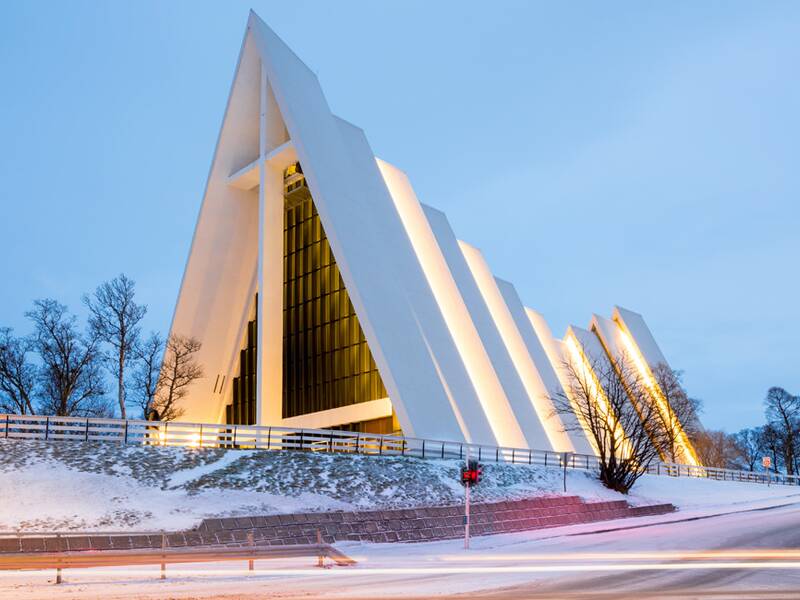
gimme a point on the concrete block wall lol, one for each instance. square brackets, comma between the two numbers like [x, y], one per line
[398, 525]
[423, 524]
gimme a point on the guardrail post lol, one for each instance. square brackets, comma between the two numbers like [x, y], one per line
[423, 448]
[234, 436]
[403, 447]
[163, 555]
[380, 448]
[479, 453]
[497, 454]
[530, 457]
[513, 456]
[47, 428]
[545, 458]
[269, 438]
[442, 449]
[358, 439]
[301, 439]
[6, 426]
[126, 431]
[58, 569]
[86, 433]
[330, 442]
[320, 556]
[461, 452]
[201, 436]
[251, 543]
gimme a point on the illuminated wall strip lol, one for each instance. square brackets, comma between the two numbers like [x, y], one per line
[554, 349]
[581, 363]
[555, 355]
[534, 386]
[688, 451]
[564, 380]
[479, 369]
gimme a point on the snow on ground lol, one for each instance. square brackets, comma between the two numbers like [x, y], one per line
[106, 486]
[696, 493]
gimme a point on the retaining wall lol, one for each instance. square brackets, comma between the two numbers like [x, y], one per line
[401, 525]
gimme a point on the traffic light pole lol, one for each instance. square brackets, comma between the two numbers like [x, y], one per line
[466, 512]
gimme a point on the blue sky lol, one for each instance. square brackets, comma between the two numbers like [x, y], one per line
[597, 153]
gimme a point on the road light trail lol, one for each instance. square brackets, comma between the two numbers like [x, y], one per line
[671, 555]
[482, 570]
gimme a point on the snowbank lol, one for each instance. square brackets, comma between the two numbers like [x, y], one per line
[109, 487]
[694, 493]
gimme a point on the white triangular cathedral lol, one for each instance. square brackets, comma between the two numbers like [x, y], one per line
[326, 295]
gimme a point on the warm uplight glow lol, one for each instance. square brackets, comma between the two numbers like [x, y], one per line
[579, 360]
[479, 368]
[180, 437]
[662, 405]
[512, 339]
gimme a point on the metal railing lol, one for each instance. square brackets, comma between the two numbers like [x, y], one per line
[719, 474]
[262, 437]
[164, 556]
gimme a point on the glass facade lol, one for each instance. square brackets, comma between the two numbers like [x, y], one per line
[384, 426]
[326, 361]
[242, 410]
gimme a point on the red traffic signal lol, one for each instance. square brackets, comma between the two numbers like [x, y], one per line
[471, 473]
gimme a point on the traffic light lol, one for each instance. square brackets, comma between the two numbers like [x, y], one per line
[471, 473]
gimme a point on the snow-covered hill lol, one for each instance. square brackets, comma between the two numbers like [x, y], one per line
[109, 487]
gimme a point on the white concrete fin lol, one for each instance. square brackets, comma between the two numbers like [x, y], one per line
[486, 329]
[556, 378]
[532, 364]
[634, 324]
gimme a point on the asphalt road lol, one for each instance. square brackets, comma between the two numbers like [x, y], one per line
[777, 529]
[747, 556]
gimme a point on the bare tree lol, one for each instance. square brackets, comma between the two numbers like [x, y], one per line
[612, 404]
[772, 444]
[17, 375]
[179, 370]
[677, 414]
[783, 415]
[717, 449]
[70, 376]
[749, 442]
[114, 318]
[145, 381]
